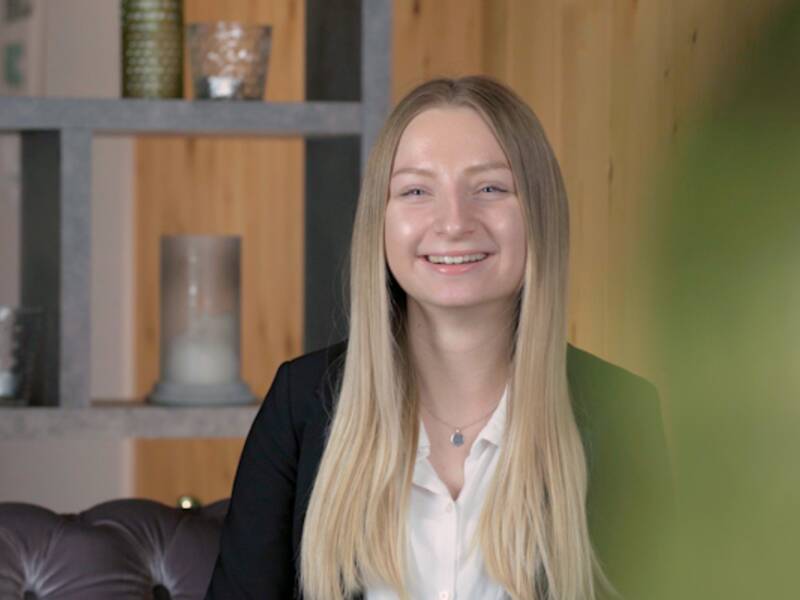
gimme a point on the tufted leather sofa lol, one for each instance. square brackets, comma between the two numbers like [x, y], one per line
[123, 549]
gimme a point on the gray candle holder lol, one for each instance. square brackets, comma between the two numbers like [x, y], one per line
[200, 307]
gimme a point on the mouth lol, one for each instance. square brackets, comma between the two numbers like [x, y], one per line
[455, 264]
[456, 259]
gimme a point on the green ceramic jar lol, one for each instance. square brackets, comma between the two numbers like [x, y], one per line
[152, 48]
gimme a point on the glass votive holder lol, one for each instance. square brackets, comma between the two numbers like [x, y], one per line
[200, 305]
[21, 331]
[228, 60]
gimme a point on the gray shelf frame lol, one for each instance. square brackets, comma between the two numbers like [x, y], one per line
[103, 116]
[118, 422]
[57, 136]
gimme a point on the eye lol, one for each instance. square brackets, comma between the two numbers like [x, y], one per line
[412, 192]
[492, 189]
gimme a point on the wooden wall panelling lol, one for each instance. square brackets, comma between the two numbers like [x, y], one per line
[585, 151]
[200, 467]
[434, 38]
[521, 47]
[639, 127]
[251, 187]
[615, 84]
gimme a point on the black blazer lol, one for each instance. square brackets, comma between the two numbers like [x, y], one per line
[618, 416]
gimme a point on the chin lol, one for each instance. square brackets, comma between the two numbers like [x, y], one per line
[455, 302]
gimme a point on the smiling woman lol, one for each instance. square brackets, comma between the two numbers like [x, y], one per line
[446, 449]
[453, 210]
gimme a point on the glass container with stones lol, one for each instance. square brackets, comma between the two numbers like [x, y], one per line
[229, 60]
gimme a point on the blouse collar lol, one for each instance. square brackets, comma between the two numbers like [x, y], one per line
[492, 432]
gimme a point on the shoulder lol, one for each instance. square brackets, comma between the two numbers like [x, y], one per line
[298, 397]
[314, 367]
[614, 408]
[312, 377]
[630, 494]
[604, 393]
[590, 374]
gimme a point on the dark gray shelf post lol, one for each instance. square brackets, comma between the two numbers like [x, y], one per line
[376, 69]
[348, 59]
[56, 228]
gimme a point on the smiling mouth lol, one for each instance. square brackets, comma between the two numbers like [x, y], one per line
[444, 259]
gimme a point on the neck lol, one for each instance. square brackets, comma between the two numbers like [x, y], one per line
[461, 358]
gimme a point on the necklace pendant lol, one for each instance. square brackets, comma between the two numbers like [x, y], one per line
[457, 439]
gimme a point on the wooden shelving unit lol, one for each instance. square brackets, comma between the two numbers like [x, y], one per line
[56, 248]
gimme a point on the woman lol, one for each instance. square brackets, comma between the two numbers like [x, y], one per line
[446, 449]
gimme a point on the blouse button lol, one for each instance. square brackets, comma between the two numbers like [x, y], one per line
[448, 508]
[444, 595]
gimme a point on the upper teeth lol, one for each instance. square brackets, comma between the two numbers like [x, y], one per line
[456, 260]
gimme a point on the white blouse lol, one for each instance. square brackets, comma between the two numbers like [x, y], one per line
[440, 529]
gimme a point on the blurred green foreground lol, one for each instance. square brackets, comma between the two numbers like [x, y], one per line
[726, 281]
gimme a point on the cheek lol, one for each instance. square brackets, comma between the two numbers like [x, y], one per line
[515, 239]
[401, 230]
[398, 239]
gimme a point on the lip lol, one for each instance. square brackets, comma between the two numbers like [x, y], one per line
[455, 253]
[445, 269]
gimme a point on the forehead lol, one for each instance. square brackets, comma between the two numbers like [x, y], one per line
[453, 134]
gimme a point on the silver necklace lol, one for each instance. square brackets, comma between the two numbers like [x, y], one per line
[457, 438]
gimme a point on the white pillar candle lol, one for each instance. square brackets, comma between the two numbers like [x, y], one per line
[206, 353]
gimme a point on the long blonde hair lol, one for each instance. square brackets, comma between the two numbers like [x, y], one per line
[533, 530]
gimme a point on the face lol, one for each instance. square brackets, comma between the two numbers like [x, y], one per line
[454, 230]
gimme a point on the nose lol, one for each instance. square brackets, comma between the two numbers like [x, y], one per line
[453, 214]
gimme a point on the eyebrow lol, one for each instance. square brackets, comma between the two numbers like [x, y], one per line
[490, 166]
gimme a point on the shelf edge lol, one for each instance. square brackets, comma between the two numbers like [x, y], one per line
[130, 116]
[32, 423]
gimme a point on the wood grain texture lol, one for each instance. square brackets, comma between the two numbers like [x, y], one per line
[250, 187]
[435, 38]
[202, 468]
[616, 83]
